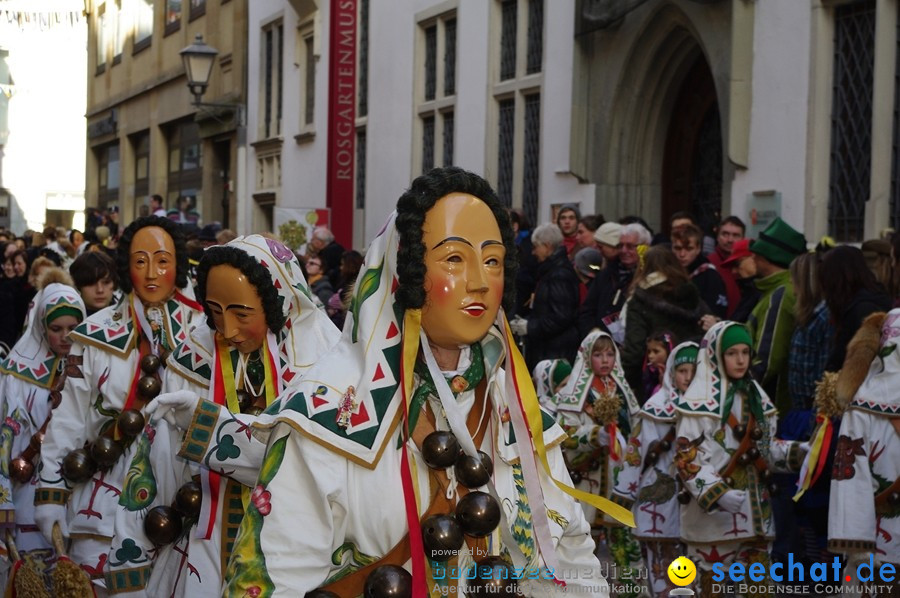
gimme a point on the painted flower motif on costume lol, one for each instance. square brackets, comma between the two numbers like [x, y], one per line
[844, 456]
[279, 251]
[260, 498]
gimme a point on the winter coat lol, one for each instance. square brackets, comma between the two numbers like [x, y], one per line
[659, 308]
[322, 289]
[863, 303]
[709, 282]
[771, 325]
[606, 296]
[732, 290]
[551, 326]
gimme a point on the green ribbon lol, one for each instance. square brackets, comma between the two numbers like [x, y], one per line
[746, 387]
[473, 375]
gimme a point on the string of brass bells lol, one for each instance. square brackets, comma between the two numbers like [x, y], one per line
[477, 515]
[81, 464]
[164, 524]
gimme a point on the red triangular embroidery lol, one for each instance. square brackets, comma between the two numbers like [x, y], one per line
[40, 371]
[379, 374]
[263, 263]
[178, 316]
[394, 284]
[392, 331]
[277, 284]
[287, 376]
[361, 417]
[317, 401]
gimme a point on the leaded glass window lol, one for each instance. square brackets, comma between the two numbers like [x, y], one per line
[430, 62]
[360, 169]
[851, 128]
[427, 143]
[531, 169]
[448, 139]
[508, 10]
[535, 37]
[450, 57]
[505, 150]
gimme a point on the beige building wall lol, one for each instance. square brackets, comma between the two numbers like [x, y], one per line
[138, 97]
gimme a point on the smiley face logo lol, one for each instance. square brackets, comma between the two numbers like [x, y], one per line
[682, 571]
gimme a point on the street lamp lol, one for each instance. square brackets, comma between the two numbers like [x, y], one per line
[198, 61]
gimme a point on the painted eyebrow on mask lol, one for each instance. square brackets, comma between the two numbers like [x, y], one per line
[466, 241]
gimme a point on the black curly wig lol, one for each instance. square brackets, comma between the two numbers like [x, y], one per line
[123, 253]
[255, 272]
[412, 206]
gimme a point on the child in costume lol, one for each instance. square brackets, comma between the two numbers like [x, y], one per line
[596, 408]
[725, 450]
[113, 370]
[549, 375]
[647, 484]
[262, 331]
[425, 366]
[32, 376]
[659, 346]
[864, 508]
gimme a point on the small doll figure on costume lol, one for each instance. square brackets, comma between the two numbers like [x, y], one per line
[112, 371]
[262, 331]
[864, 509]
[403, 456]
[596, 408]
[725, 452]
[659, 346]
[32, 376]
[647, 484]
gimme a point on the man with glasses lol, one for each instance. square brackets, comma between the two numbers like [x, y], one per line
[607, 295]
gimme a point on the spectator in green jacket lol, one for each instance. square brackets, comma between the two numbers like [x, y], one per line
[771, 322]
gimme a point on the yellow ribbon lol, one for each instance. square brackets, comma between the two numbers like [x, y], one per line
[812, 460]
[231, 401]
[535, 422]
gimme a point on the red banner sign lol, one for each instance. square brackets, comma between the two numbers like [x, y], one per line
[342, 118]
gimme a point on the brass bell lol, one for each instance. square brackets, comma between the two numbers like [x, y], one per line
[471, 472]
[728, 481]
[162, 525]
[753, 453]
[743, 459]
[684, 497]
[576, 477]
[440, 450]
[189, 499]
[652, 457]
[78, 467]
[756, 433]
[105, 451]
[478, 514]
[494, 577]
[765, 475]
[21, 470]
[388, 581]
[664, 445]
[131, 422]
[739, 431]
[320, 593]
[150, 364]
[37, 439]
[442, 537]
[149, 387]
[894, 498]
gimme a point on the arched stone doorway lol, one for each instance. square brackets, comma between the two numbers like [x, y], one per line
[663, 150]
[692, 163]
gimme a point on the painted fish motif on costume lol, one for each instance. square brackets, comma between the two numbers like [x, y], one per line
[139, 488]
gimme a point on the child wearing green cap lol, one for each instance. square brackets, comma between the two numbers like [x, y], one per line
[725, 451]
[647, 483]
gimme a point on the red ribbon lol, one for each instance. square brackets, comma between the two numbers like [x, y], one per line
[823, 452]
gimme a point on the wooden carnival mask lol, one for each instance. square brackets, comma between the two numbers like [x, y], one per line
[236, 308]
[152, 265]
[464, 270]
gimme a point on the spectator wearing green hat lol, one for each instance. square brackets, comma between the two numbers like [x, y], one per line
[771, 322]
